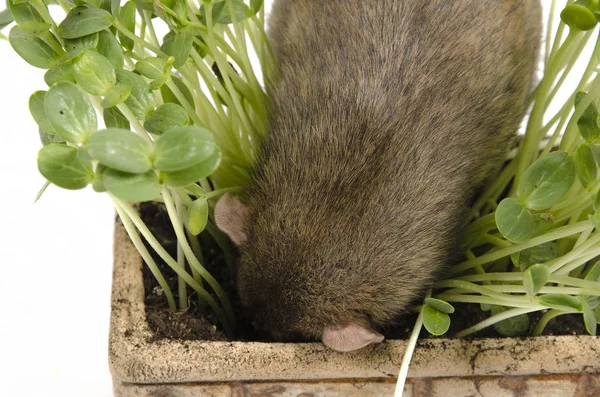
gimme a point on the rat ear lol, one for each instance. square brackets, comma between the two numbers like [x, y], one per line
[230, 217]
[349, 337]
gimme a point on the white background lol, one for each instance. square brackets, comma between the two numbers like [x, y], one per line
[56, 259]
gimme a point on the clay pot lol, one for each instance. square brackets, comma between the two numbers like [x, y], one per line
[540, 366]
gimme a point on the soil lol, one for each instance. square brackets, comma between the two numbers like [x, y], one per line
[199, 323]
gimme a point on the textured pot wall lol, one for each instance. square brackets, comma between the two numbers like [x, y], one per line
[134, 360]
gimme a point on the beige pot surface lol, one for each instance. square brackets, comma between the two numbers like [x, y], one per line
[135, 361]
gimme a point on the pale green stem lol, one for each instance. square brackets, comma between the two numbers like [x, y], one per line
[141, 131]
[139, 245]
[147, 17]
[493, 320]
[249, 129]
[525, 304]
[183, 301]
[137, 40]
[551, 236]
[519, 289]
[192, 260]
[579, 261]
[172, 263]
[529, 146]
[408, 353]
[555, 266]
[518, 276]
[543, 321]
[571, 135]
[549, 29]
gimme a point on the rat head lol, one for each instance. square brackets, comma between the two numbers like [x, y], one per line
[291, 284]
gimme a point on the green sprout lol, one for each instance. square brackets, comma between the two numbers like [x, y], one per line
[533, 243]
[184, 115]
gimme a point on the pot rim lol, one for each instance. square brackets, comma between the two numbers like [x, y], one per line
[135, 358]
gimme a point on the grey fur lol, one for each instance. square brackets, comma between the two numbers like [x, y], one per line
[387, 116]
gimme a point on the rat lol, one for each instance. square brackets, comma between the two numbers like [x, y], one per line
[387, 117]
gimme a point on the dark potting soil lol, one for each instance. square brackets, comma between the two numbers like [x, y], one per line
[200, 323]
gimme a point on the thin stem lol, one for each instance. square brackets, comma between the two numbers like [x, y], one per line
[142, 43]
[408, 353]
[525, 304]
[139, 245]
[529, 146]
[548, 48]
[158, 248]
[555, 266]
[543, 321]
[141, 131]
[493, 320]
[192, 260]
[556, 234]
[183, 301]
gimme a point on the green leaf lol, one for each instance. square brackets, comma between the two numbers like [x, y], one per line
[121, 150]
[94, 73]
[113, 118]
[62, 165]
[543, 222]
[144, 4]
[169, 97]
[151, 67]
[82, 43]
[32, 41]
[594, 273]
[514, 222]
[167, 43]
[98, 182]
[534, 278]
[71, 55]
[585, 165]
[177, 7]
[81, 21]
[589, 317]
[546, 181]
[588, 121]
[110, 48]
[565, 303]
[70, 112]
[36, 107]
[240, 12]
[197, 216]
[512, 326]
[183, 147]
[578, 17]
[539, 254]
[193, 174]
[117, 95]
[5, 18]
[141, 101]
[182, 45]
[165, 117]
[256, 5]
[595, 220]
[597, 314]
[440, 305]
[596, 150]
[127, 18]
[131, 187]
[436, 323]
[23, 12]
[61, 72]
[221, 12]
[47, 138]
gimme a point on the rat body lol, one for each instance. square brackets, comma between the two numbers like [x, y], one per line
[388, 115]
